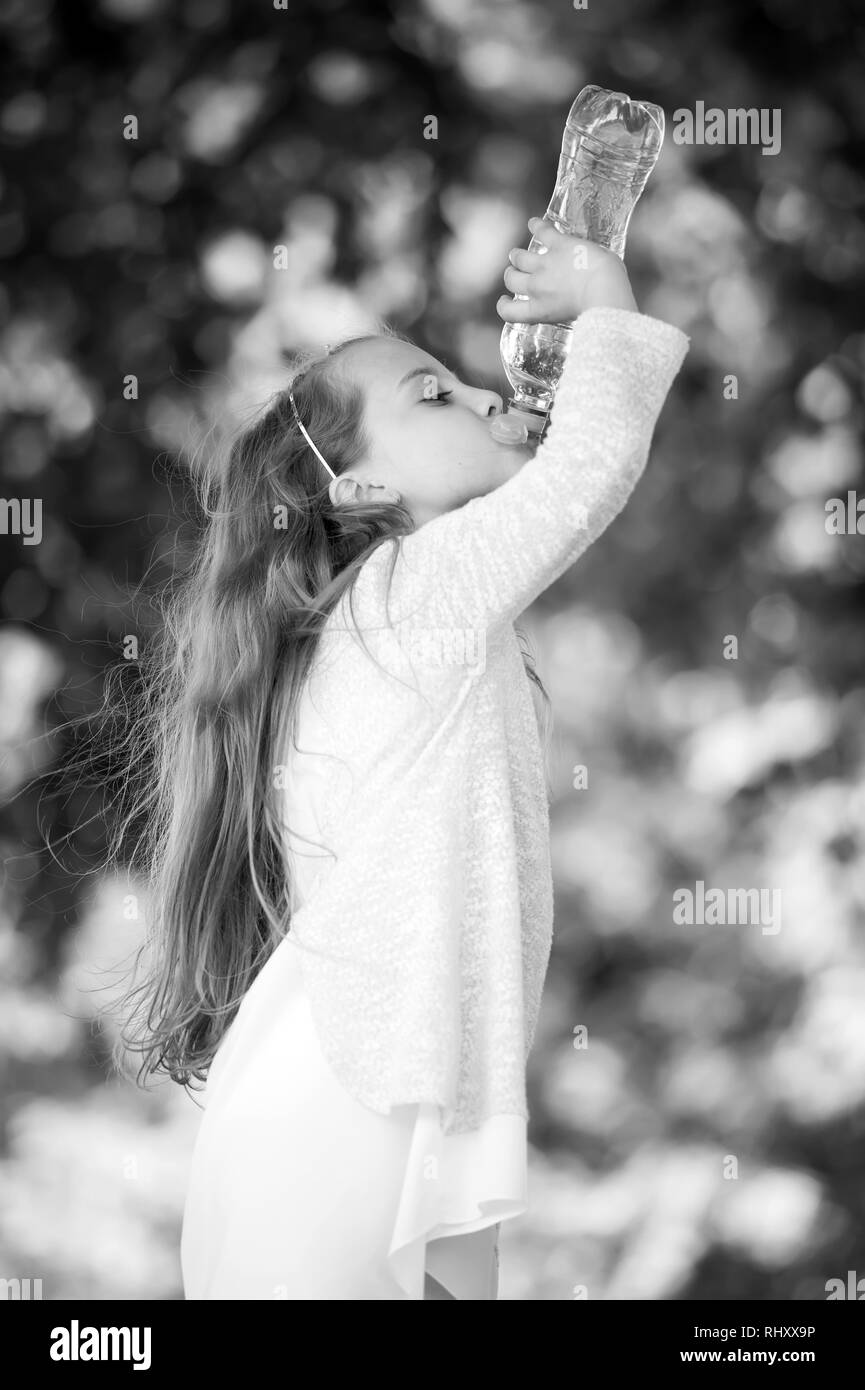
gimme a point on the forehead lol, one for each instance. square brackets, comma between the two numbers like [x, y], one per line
[378, 366]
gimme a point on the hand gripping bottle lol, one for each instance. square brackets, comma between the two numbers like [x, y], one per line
[609, 149]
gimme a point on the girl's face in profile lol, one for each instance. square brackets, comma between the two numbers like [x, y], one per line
[429, 432]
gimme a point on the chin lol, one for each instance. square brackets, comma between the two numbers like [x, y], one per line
[514, 458]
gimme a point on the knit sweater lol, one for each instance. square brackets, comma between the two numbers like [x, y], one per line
[426, 938]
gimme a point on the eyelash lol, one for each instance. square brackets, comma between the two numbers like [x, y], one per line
[441, 397]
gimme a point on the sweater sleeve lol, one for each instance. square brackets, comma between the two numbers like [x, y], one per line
[485, 562]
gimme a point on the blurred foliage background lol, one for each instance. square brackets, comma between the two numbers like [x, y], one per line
[153, 257]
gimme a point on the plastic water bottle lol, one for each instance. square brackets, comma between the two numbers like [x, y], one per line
[609, 148]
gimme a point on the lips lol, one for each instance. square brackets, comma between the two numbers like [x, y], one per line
[506, 430]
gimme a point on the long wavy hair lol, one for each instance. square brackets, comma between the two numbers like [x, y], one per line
[220, 688]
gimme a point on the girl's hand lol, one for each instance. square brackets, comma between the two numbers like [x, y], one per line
[569, 276]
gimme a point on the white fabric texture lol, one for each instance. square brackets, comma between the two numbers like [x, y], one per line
[366, 1112]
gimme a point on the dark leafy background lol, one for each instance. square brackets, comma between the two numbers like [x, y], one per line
[707, 1143]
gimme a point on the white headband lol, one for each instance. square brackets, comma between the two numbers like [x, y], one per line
[305, 433]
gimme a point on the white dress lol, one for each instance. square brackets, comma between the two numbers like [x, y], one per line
[298, 1191]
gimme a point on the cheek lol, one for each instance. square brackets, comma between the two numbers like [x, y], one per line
[436, 439]
[468, 434]
[452, 450]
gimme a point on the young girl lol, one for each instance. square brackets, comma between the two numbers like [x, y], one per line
[353, 807]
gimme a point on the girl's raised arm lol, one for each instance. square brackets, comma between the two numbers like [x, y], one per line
[485, 562]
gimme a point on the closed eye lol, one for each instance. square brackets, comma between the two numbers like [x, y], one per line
[440, 399]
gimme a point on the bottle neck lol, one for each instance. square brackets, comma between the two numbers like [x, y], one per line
[534, 420]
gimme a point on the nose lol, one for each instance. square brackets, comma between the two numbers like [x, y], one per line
[487, 403]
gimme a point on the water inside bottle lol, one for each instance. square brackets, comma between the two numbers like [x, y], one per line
[536, 356]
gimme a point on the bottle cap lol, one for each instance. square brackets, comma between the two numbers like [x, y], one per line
[506, 429]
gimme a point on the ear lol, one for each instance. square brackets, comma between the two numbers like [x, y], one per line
[343, 491]
[346, 490]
